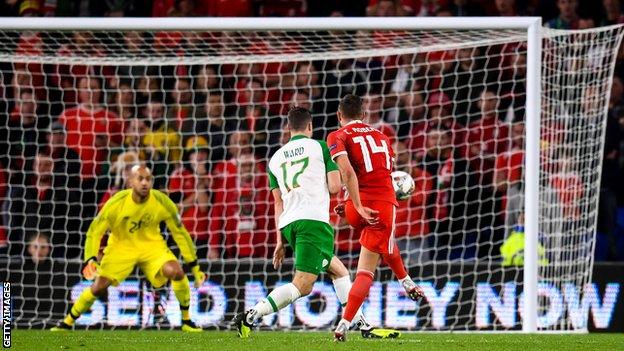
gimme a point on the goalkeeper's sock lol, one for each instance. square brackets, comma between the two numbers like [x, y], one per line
[342, 286]
[395, 262]
[83, 304]
[69, 320]
[277, 299]
[358, 293]
[184, 310]
[182, 291]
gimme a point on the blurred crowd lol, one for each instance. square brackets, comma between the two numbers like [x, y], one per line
[456, 119]
[569, 13]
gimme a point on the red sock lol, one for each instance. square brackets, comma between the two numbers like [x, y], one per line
[357, 294]
[395, 262]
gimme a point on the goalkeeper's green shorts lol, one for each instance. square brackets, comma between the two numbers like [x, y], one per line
[313, 243]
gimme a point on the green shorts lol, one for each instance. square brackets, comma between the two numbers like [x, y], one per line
[313, 243]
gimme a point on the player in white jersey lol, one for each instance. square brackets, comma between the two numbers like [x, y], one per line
[302, 175]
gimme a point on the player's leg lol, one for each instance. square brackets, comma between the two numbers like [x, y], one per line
[341, 279]
[395, 262]
[313, 242]
[380, 239]
[282, 296]
[180, 285]
[160, 266]
[367, 264]
[392, 256]
[376, 241]
[84, 303]
[279, 298]
[115, 266]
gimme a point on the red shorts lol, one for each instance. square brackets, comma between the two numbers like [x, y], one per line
[380, 237]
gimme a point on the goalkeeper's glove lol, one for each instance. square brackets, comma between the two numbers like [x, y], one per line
[198, 275]
[90, 268]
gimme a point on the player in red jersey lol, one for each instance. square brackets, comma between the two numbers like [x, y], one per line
[365, 158]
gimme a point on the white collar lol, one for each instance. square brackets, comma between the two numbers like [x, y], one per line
[354, 121]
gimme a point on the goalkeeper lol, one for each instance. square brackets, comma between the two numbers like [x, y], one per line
[133, 217]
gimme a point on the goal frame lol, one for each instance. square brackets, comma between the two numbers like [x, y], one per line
[532, 25]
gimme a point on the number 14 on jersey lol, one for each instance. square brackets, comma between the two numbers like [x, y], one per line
[383, 148]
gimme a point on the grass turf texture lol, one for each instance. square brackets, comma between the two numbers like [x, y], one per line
[308, 341]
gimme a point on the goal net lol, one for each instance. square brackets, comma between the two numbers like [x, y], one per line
[206, 109]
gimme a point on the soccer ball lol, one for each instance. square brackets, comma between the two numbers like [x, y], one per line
[403, 185]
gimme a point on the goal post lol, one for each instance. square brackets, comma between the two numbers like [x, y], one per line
[531, 204]
[259, 57]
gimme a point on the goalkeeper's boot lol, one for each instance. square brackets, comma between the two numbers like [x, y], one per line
[412, 290]
[190, 327]
[61, 327]
[340, 334]
[243, 328]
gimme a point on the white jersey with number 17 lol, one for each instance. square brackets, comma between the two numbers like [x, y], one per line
[299, 169]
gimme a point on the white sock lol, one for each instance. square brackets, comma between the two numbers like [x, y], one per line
[344, 321]
[342, 286]
[407, 278]
[277, 299]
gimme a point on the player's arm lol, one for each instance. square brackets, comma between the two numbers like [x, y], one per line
[278, 206]
[350, 181]
[278, 253]
[96, 231]
[349, 178]
[182, 238]
[180, 235]
[334, 184]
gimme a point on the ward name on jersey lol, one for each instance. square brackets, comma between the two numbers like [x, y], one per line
[371, 155]
[299, 169]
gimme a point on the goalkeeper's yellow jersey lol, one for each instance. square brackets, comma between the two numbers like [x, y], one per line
[138, 225]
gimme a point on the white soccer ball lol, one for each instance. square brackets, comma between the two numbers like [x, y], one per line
[404, 185]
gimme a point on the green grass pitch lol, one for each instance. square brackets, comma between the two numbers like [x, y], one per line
[307, 341]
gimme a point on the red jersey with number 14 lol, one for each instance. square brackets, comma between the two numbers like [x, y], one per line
[371, 156]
